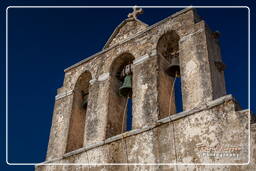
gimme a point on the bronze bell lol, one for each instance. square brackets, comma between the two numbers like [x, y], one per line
[174, 68]
[126, 89]
[85, 101]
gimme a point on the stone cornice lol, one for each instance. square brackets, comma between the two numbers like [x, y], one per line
[61, 95]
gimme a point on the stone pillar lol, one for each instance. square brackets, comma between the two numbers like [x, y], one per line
[145, 106]
[96, 118]
[60, 122]
[200, 79]
[216, 65]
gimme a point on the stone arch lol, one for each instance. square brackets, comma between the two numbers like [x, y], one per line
[78, 72]
[168, 53]
[117, 104]
[78, 112]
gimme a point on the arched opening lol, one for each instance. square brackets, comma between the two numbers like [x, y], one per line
[78, 113]
[120, 96]
[170, 82]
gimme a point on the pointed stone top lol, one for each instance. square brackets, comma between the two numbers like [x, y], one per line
[136, 11]
[128, 28]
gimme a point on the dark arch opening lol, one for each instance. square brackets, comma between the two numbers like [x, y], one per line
[168, 46]
[120, 106]
[168, 53]
[78, 113]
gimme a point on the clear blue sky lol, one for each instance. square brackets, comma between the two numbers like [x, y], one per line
[43, 42]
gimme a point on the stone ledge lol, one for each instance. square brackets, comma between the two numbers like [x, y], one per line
[92, 81]
[168, 119]
[64, 94]
[114, 138]
[190, 35]
[49, 161]
[220, 100]
[140, 59]
[103, 76]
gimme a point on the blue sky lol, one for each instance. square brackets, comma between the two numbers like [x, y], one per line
[43, 42]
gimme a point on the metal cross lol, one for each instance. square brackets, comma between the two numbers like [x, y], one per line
[136, 12]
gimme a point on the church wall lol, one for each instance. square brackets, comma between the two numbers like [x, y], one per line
[164, 142]
[183, 140]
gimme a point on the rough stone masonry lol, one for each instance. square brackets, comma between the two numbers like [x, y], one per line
[89, 113]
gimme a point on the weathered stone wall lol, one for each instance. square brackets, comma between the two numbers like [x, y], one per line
[59, 129]
[201, 82]
[63, 109]
[145, 110]
[186, 137]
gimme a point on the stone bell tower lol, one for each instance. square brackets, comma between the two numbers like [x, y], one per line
[141, 63]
